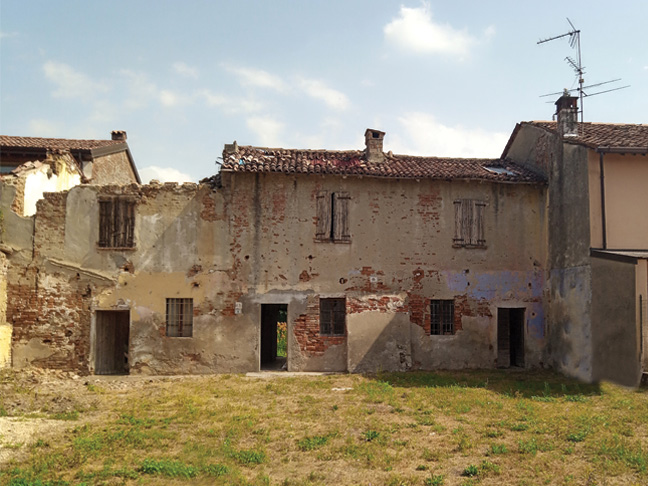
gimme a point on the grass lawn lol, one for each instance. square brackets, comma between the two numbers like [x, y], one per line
[448, 428]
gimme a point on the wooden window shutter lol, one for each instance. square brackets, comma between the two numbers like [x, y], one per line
[341, 218]
[323, 208]
[459, 233]
[471, 209]
[105, 223]
[479, 216]
[129, 223]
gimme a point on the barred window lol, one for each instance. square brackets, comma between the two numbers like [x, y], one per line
[179, 317]
[116, 222]
[332, 317]
[442, 317]
[469, 223]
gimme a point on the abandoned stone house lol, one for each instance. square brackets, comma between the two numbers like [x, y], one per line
[378, 261]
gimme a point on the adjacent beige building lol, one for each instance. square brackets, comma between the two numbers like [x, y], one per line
[597, 240]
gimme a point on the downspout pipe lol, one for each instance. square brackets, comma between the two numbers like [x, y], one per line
[603, 218]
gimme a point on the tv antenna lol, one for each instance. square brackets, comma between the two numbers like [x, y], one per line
[577, 66]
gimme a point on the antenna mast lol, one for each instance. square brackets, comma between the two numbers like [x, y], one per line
[574, 41]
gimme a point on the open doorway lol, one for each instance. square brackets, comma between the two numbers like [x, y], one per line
[510, 337]
[274, 336]
[111, 342]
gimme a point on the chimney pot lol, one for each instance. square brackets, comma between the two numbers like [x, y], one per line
[567, 112]
[374, 145]
[118, 135]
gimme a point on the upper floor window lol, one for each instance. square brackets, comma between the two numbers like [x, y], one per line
[469, 223]
[116, 222]
[333, 217]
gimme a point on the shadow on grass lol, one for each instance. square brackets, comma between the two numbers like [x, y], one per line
[514, 383]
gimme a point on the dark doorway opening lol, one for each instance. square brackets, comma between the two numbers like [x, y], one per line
[274, 335]
[510, 337]
[111, 342]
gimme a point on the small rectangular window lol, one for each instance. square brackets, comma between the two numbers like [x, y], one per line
[442, 317]
[333, 217]
[469, 223]
[179, 317]
[116, 223]
[333, 317]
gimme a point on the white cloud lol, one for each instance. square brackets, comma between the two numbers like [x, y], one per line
[490, 31]
[44, 128]
[6, 35]
[71, 83]
[185, 70]
[414, 30]
[169, 98]
[163, 174]
[257, 77]
[427, 136]
[231, 105]
[319, 90]
[267, 130]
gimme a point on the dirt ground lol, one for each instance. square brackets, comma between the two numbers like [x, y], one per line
[38, 404]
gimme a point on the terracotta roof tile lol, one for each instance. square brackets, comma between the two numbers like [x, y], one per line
[7, 141]
[604, 134]
[352, 162]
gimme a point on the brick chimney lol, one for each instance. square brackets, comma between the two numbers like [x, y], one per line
[118, 135]
[374, 146]
[567, 112]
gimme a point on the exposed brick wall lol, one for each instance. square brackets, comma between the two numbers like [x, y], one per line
[113, 169]
[306, 330]
[18, 205]
[57, 312]
[50, 223]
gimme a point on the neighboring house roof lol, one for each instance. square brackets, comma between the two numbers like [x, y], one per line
[81, 150]
[597, 135]
[38, 143]
[353, 163]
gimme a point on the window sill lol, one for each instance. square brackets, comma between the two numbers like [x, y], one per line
[116, 248]
[344, 242]
[470, 247]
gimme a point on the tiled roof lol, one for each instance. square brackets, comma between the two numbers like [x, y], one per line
[353, 162]
[604, 134]
[7, 141]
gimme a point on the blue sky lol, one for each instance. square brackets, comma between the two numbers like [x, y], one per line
[185, 77]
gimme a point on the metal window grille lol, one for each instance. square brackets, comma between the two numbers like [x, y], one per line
[179, 317]
[442, 317]
[116, 223]
[333, 317]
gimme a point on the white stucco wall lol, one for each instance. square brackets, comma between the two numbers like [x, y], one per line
[42, 180]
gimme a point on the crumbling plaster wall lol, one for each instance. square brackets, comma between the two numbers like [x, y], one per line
[569, 334]
[400, 257]
[181, 239]
[5, 328]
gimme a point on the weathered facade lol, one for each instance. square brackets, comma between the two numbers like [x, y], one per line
[597, 241]
[395, 264]
[375, 261]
